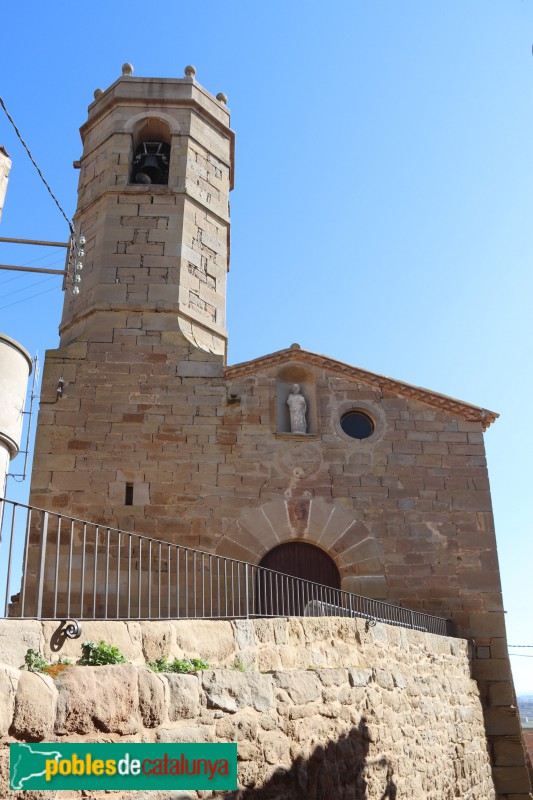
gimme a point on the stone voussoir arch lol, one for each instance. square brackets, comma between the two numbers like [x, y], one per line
[328, 525]
[133, 122]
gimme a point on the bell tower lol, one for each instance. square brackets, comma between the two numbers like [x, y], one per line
[153, 205]
[147, 318]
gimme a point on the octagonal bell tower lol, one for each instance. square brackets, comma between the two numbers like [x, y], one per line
[153, 205]
[149, 316]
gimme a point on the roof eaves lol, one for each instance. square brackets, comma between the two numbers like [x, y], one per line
[466, 410]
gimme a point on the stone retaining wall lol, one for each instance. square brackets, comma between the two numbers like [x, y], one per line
[324, 708]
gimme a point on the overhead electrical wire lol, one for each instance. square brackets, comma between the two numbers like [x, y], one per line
[38, 294]
[46, 255]
[14, 278]
[27, 149]
[520, 655]
[52, 255]
[19, 275]
[25, 288]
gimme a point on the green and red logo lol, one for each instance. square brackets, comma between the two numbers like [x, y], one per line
[123, 766]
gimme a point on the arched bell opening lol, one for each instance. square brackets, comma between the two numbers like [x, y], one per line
[310, 578]
[151, 153]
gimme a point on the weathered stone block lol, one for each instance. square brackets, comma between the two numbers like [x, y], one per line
[383, 678]
[9, 678]
[277, 749]
[302, 687]
[98, 699]
[501, 694]
[16, 638]
[152, 698]
[360, 677]
[157, 640]
[186, 733]
[268, 658]
[207, 639]
[231, 691]
[508, 752]
[200, 369]
[184, 696]
[244, 633]
[35, 707]
[511, 779]
[502, 722]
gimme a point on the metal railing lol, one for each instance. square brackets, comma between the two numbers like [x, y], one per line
[75, 569]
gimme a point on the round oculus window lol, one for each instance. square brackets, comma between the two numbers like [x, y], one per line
[357, 425]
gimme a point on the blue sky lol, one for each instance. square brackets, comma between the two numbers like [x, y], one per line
[383, 201]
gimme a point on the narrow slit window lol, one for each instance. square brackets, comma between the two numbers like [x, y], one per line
[129, 495]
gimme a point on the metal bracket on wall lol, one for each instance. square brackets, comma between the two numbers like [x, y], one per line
[73, 629]
[68, 629]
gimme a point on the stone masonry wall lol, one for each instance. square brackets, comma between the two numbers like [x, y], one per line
[406, 515]
[324, 708]
[528, 741]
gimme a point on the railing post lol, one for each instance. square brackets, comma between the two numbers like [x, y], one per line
[41, 566]
[8, 576]
[2, 506]
[246, 591]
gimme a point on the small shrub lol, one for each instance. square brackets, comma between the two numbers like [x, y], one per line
[239, 665]
[189, 664]
[97, 655]
[159, 665]
[34, 662]
[180, 665]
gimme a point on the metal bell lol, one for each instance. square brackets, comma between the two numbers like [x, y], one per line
[151, 163]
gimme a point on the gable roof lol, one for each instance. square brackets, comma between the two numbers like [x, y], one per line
[296, 355]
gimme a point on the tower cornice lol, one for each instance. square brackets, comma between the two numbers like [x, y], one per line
[150, 93]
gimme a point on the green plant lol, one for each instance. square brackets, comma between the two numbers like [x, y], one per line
[34, 662]
[159, 665]
[180, 665]
[239, 665]
[97, 655]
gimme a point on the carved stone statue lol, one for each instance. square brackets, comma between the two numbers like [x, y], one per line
[297, 409]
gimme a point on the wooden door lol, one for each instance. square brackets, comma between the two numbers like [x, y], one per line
[277, 596]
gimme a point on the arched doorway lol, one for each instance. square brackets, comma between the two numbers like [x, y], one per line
[278, 595]
[303, 560]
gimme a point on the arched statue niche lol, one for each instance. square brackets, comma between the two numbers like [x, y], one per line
[296, 407]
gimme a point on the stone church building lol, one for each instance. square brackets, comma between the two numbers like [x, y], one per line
[361, 481]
